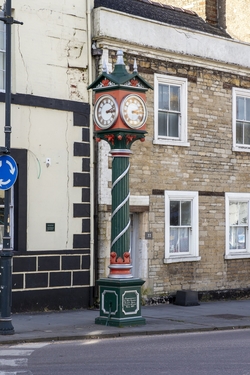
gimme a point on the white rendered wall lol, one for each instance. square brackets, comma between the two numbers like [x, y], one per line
[50, 192]
[49, 59]
[50, 47]
[157, 37]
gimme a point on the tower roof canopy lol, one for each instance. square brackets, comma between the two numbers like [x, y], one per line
[120, 77]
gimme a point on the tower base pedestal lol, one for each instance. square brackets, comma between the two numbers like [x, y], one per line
[120, 302]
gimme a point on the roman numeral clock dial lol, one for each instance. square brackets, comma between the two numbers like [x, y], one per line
[133, 111]
[105, 111]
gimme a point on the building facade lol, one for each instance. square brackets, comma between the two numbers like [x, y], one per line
[189, 186]
[189, 183]
[51, 209]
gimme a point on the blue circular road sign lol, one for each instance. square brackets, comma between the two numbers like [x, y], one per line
[8, 172]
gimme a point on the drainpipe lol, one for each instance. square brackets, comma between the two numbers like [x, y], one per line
[92, 174]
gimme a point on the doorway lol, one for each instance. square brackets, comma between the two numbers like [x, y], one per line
[134, 243]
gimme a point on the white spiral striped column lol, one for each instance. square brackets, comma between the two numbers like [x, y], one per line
[120, 261]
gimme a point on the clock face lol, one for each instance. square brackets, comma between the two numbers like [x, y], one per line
[134, 111]
[105, 111]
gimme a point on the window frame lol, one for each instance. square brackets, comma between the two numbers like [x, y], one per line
[193, 255]
[238, 92]
[236, 253]
[182, 83]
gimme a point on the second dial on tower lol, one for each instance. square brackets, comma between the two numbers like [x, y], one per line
[133, 111]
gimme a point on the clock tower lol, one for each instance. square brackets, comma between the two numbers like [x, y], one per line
[120, 116]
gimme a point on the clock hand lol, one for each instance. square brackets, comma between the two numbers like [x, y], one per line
[110, 110]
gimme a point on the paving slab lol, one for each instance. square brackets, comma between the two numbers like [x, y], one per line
[160, 319]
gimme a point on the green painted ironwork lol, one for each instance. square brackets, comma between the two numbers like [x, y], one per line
[120, 302]
[120, 222]
[120, 294]
[120, 143]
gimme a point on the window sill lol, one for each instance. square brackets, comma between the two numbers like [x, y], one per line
[178, 259]
[241, 149]
[237, 256]
[170, 143]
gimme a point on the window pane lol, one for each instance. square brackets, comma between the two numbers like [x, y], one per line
[238, 213]
[241, 237]
[243, 213]
[237, 238]
[247, 134]
[174, 213]
[186, 213]
[239, 132]
[173, 125]
[162, 123]
[2, 40]
[2, 60]
[247, 109]
[173, 240]
[164, 97]
[183, 244]
[1, 22]
[240, 108]
[2, 80]
[179, 240]
[1, 216]
[233, 238]
[2, 71]
[174, 98]
[2, 32]
[1, 197]
[233, 213]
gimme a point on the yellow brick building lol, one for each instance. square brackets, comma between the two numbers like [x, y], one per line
[189, 181]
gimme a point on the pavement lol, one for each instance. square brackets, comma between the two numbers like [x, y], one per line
[160, 319]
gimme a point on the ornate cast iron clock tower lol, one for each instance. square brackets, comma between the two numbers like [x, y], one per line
[120, 116]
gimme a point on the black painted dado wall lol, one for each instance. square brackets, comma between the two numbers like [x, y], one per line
[53, 279]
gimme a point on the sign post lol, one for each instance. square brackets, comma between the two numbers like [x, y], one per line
[8, 175]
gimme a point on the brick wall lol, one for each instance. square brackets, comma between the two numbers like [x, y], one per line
[237, 19]
[233, 15]
[208, 166]
[197, 6]
[212, 12]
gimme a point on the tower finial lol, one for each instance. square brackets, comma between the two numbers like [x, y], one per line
[104, 67]
[135, 66]
[119, 58]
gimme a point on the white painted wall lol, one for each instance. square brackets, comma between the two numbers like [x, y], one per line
[49, 59]
[48, 133]
[49, 48]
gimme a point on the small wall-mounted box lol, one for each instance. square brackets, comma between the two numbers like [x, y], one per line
[148, 235]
